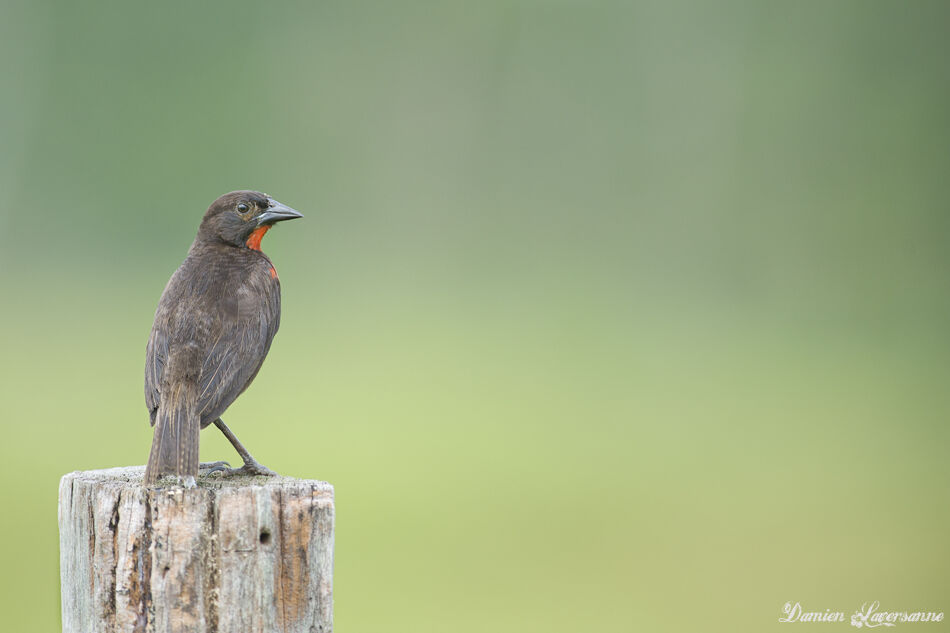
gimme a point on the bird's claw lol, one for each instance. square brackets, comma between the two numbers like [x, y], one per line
[207, 468]
[250, 469]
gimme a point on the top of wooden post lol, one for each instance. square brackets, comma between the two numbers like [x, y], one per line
[125, 475]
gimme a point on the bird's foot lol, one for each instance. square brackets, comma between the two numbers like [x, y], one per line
[249, 469]
[206, 468]
[253, 468]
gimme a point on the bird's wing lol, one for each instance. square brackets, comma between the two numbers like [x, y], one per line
[232, 325]
[232, 360]
[156, 357]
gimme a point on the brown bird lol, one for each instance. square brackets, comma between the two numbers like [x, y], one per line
[213, 327]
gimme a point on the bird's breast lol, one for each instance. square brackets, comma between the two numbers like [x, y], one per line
[258, 295]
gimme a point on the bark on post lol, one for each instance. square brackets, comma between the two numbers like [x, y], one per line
[233, 555]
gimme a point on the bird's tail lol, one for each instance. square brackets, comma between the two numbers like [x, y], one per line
[175, 443]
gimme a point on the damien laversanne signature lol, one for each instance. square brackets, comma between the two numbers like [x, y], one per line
[868, 615]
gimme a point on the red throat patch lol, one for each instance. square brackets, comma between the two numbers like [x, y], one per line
[254, 241]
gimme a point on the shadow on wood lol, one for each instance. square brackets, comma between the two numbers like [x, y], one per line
[239, 554]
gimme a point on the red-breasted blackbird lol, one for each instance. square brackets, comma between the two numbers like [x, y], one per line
[213, 327]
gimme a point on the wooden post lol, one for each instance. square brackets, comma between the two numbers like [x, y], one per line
[235, 554]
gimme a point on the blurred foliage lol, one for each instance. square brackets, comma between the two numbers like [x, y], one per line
[605, 316]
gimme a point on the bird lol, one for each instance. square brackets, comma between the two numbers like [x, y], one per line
[213, 327]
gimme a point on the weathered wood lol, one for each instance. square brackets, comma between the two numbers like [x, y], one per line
[233, 555]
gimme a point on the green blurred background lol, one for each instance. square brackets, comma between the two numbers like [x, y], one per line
[603, 316]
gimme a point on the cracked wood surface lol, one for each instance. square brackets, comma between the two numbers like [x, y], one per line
[240, 554]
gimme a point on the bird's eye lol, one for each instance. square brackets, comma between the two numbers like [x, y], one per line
[242, 208]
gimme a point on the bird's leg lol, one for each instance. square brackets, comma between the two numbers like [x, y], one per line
[251, 466]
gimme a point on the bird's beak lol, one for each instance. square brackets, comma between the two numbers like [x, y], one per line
[277, 212]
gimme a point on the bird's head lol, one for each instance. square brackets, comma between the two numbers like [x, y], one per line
[241, 218]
